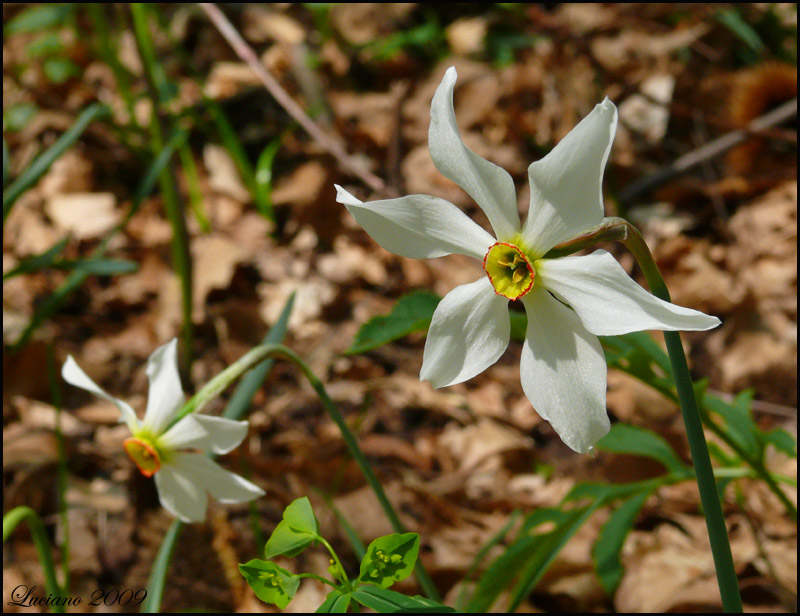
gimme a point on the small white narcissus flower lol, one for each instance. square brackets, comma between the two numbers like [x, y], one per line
[182, 478]
[569, 301]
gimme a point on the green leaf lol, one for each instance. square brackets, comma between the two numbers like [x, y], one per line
[269, 582]
[389, 559]
[528, 557]
[101, 267]
[612, 537]
[43, 162]
[623, 438]
[46, 45]
[59, 70]
[390, 602]
[263, 179]
[781, 440]
[37, 262]
[17, 117]
[300, 516]
[733, 20]
[38, 18]
[611, 492]
[739, 423]
[335, 603]
[295, 532]
[286, 541]
[411, 313]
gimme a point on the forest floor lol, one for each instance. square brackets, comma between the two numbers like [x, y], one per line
[456, 461]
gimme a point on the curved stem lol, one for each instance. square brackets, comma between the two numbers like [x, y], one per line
[340, 569]
[715, 521]
[10, 521]
[319, 578]
[216, 385]
[618, 229]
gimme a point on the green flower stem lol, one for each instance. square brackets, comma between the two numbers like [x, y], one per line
[278, 351]
[158, 574]
[618, 229]
[319, 578]
[182, 261]
[61, 487]
[715, 521]
[339, 568]
[10, 521]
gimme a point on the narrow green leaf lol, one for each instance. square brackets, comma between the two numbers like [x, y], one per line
[623, 438]
[739, 423]
[101, 267]
[42, 543]
[250, 382]
[263, 179]
[158, 574]
[484, 552]
[335, 603]
[388, 601]
[411, 313]
[611, 539]
[37, 262]
[43, 162]
[389, 559]
[733, 20]
[547, 548]
[269, 582]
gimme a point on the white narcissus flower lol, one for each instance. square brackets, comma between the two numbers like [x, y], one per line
[569, 301]
[182, 477]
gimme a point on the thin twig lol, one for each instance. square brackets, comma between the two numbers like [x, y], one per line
[708, 151]
[761, 406]
[247, 55]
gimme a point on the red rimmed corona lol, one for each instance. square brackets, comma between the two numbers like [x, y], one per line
[510, 271]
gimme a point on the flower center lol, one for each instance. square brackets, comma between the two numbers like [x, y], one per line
[144, 454]
[509, 270]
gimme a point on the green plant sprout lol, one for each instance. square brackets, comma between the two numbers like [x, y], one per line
[388, 559]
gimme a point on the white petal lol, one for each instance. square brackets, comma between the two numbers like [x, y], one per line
[609, 302]
[566, 185]
[563, 371]
[418, 226]
[223, 485]
[180, 494]
[73, 375]
[165, 395]
[186, 433]
[489, 185]
[224, 434]
[469, 332]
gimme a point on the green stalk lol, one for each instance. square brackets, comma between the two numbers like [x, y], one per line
[715, 521]
[62, 470]
[253, 357]
[158, 574]
[10, 521]
[181, 256]
[618, 229]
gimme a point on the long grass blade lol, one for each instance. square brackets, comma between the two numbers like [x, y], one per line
[39, 167]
